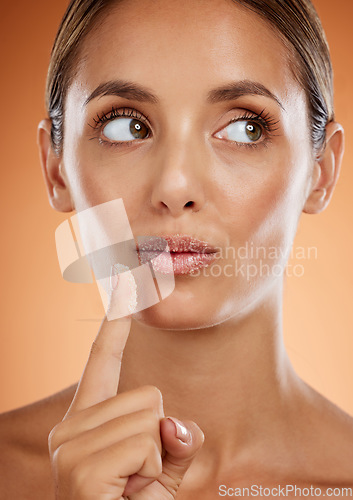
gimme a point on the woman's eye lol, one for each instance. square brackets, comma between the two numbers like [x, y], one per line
[242, 131]
[125, 129]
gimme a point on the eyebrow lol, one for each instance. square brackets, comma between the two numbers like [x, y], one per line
[121, 88]
[132, 91]
[239, 89]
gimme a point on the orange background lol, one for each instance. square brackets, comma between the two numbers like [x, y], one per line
[48, 324]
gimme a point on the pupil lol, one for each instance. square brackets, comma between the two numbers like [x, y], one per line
[138, 129]
[253, 131]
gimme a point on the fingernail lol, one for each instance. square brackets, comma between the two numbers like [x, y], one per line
[181, 431]
[114, 276]
[123, 298]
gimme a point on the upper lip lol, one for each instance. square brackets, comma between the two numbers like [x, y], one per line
[177, 243]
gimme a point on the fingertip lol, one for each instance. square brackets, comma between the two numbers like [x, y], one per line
[188, 433]
[178, 452]
[180, 431]
[198, 435]
[123, 293]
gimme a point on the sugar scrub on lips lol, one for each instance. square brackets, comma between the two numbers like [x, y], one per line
[123, 301]
[183, 254]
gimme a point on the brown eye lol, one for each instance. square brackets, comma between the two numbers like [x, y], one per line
[125, 129]
[138, 129]
[242, 131]
[253, 131]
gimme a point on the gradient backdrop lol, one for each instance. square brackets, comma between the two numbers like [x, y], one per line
[46, 323]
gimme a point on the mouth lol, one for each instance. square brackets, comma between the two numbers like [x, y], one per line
[182, 254]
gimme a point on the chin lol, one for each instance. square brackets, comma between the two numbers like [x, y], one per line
[201, 306]
[180, 311]
[185, 310]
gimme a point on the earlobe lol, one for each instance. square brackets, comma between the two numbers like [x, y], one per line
[57, 188]
[326, 170]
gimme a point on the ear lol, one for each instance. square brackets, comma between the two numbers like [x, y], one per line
[326, 170]
[57, 186]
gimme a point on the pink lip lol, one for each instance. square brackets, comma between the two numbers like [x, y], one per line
[187, 254]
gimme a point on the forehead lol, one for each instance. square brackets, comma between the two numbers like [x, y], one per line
[184, 47]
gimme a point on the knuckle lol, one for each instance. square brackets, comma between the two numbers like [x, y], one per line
[153, 394]
[146, 441]
[100, 349]
[151, 425]
[82, 478]
[148, 445]
[150, 417]
[61, 458]
[96, 349]
[54, 438]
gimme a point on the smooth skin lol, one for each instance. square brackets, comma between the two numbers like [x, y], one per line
[214, 349]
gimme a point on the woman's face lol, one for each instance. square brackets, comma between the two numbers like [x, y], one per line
[185, 168]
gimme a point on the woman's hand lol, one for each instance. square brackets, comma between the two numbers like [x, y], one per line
[111, 446]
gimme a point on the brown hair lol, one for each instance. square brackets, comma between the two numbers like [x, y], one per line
[295, 21]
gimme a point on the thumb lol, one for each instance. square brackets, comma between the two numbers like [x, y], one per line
[181, 442]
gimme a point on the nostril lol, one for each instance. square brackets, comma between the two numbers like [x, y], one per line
[189, 204]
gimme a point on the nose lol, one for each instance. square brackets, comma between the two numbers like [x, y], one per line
[180, 180]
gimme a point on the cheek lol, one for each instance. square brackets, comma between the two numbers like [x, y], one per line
[94, 179]
[263, 203]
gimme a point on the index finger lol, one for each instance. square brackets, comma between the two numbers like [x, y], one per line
[100, 377]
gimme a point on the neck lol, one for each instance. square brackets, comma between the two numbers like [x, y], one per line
[233, 379]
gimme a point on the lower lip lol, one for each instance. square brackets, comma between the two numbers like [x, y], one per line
[183, 262]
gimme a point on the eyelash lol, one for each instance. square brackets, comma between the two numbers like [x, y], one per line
[267, 123]
[116, 113]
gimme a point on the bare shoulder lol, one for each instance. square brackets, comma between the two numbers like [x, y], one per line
[331, 439]
[24, 460]
[339, 424]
